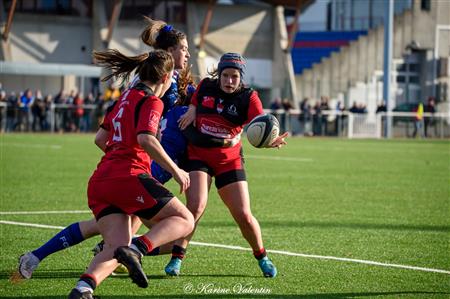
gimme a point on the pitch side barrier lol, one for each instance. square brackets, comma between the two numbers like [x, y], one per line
[326, 123]
[59, 111]
[363, 125]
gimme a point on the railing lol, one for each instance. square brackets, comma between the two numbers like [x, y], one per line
[326, 123]
[363, 125]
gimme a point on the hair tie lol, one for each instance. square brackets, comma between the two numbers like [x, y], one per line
[167, 28]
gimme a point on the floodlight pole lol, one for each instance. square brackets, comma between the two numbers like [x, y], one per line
[388, 30]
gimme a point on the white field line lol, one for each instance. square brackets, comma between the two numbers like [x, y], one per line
[44, 212]
[37, 145]
[265, 157]
[271, 251]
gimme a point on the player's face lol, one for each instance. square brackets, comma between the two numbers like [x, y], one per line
[230, 79]
[180, 54]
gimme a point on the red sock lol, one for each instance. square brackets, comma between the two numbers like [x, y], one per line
[259, 254]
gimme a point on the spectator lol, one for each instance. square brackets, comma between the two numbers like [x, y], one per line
[12, 112]
[26, 100]
[86, 122]
[78, 111]
[430, 107]
[418, 123]
[3, 106]
[305, 117]
[38, 112]
[381, 107]
[60, 98]
[317, 119]
[324, 119]
[112, 93]
[48, 102]
[275, 106]
[285, 119]
[354, 108]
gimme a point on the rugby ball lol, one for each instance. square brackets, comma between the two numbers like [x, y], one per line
[263, 130]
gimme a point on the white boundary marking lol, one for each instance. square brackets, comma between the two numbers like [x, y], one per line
[271, 251]
[44, 212]
[265, 157]
[37, 145]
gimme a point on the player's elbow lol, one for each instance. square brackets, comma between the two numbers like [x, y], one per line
[147, 140]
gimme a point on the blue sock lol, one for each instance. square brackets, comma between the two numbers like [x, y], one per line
[69, 236]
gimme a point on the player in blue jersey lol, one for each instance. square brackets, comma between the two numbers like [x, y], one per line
[160, 36]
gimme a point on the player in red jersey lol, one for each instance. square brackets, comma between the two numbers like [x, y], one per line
[122, 185]
[221, 106]
[158, 35]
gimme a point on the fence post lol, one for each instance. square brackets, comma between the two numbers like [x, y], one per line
[350, 125]
[52, 117]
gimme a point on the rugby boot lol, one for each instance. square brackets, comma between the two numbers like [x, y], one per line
[28, 262]
[131, 259]
[267, 267]
[76, 294]
[173, 268]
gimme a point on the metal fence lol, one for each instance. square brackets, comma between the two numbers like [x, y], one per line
[60, 117]
[364, 125]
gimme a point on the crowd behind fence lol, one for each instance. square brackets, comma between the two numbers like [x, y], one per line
[363, 125]
[68, 118]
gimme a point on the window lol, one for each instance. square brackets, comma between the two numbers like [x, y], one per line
[54, 7]
[425, 5]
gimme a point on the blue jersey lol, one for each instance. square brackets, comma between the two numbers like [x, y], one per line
[171, 95]
[172, 140]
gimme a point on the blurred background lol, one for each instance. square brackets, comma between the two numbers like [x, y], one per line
[318, 65]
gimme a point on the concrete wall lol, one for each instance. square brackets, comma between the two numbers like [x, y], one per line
[355, 70]
[37, 39]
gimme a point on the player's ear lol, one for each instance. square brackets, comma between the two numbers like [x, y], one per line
[165, 77]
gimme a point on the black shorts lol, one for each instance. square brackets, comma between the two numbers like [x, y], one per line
[222, 179]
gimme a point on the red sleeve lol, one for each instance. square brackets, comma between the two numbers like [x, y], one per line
[254, 107]
[149, 116]
[194, 100]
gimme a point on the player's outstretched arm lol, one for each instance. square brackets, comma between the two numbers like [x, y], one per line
[152, 146]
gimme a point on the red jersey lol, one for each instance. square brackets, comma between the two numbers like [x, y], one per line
[137, 111]
[223, 115]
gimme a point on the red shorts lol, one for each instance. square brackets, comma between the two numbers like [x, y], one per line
[217, 162]
[140, 195]
[225, 171]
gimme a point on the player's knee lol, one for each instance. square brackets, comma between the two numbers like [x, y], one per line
[245, 218]
[197, 209]
[189, 221]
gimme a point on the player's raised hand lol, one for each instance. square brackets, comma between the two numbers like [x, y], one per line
[279, 141]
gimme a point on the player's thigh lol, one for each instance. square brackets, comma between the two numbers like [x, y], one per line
[172, 208]
[197, 193]
[115, 229]
[236, 197]
[89, 228]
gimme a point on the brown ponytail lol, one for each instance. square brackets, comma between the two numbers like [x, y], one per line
[150, 66]
[184, 80]
[159, 35]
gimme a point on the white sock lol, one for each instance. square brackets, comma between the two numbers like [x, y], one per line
[83, 286]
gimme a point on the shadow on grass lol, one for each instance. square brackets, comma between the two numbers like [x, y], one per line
[313, 224]
[66, 273]
[189, 296]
